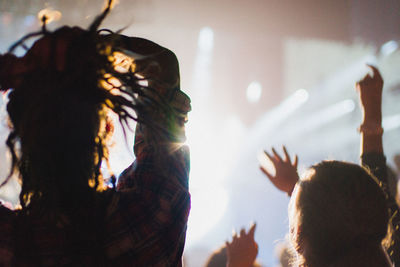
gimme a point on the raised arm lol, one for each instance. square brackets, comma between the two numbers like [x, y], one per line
[158, 64]
[164, 143]
[370, 91]
[371, 148]
[154, 189]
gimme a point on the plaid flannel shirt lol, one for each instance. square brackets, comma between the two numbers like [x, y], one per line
[146, 216]
[155, 201]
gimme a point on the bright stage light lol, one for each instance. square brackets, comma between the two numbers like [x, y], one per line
[284, 110]
[253, 92]
[206, 39]
[290, 104]
[301, 96]
[214, 152]
[389, 47]
[201, 82]
[208, 207]
[50, 15]
[327, 115]
[391, 122]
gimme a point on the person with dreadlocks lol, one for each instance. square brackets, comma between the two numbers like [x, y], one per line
[59, 95]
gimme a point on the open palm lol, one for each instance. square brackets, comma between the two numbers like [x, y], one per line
[286, 176]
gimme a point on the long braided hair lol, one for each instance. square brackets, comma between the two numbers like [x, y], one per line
[59, 94]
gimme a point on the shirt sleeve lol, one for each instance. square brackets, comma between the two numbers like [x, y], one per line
[376, 163]
[154, 199]
[153, 208]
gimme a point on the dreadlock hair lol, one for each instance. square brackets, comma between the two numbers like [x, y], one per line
[58, 103]
[59, 94]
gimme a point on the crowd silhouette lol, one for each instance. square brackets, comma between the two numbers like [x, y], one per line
[60, 96]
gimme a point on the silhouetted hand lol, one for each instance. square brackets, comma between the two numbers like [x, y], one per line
[370, 91]
[243, 249]
[286, 176]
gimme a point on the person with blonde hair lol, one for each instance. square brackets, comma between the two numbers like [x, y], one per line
[338, 212]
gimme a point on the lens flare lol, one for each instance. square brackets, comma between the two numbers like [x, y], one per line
[113, 3]
[123, 63]
[50, 15]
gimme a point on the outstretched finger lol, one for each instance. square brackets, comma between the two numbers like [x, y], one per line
[242, 232]
[234, 233]
[267, 173]
[276, 155]
[271, 158]
[287, 157]
[252, 230]
[296, 161]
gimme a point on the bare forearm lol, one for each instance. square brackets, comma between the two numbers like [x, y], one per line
[371, 127]
[370, 90]
[371, 130]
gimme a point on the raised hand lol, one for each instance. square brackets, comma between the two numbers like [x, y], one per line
[243, 249]
[286, 176]
[370, 91]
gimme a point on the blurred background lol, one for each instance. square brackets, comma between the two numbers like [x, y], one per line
[260, 73]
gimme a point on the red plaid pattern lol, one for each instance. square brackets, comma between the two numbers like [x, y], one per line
[145, 220]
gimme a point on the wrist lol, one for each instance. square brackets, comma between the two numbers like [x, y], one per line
[290, 191]
[371, 123]
[370, 129]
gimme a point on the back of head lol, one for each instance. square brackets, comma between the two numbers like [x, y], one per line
[338, 211]
[56, 111]
[60, 92]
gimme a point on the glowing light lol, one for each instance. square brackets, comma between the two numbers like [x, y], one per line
[348, 105]
[391, 122]
[253, 92]
[389, 47]
[207, 209]
[329, 114]
[122, 62]
[292, 103]
[301, 95]
[207, 185]
[206, 39]
[121, 153]
[272, 119]
[201, 82]
[335, 111]
[50, 14]
[113, 3]
[111, 83]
